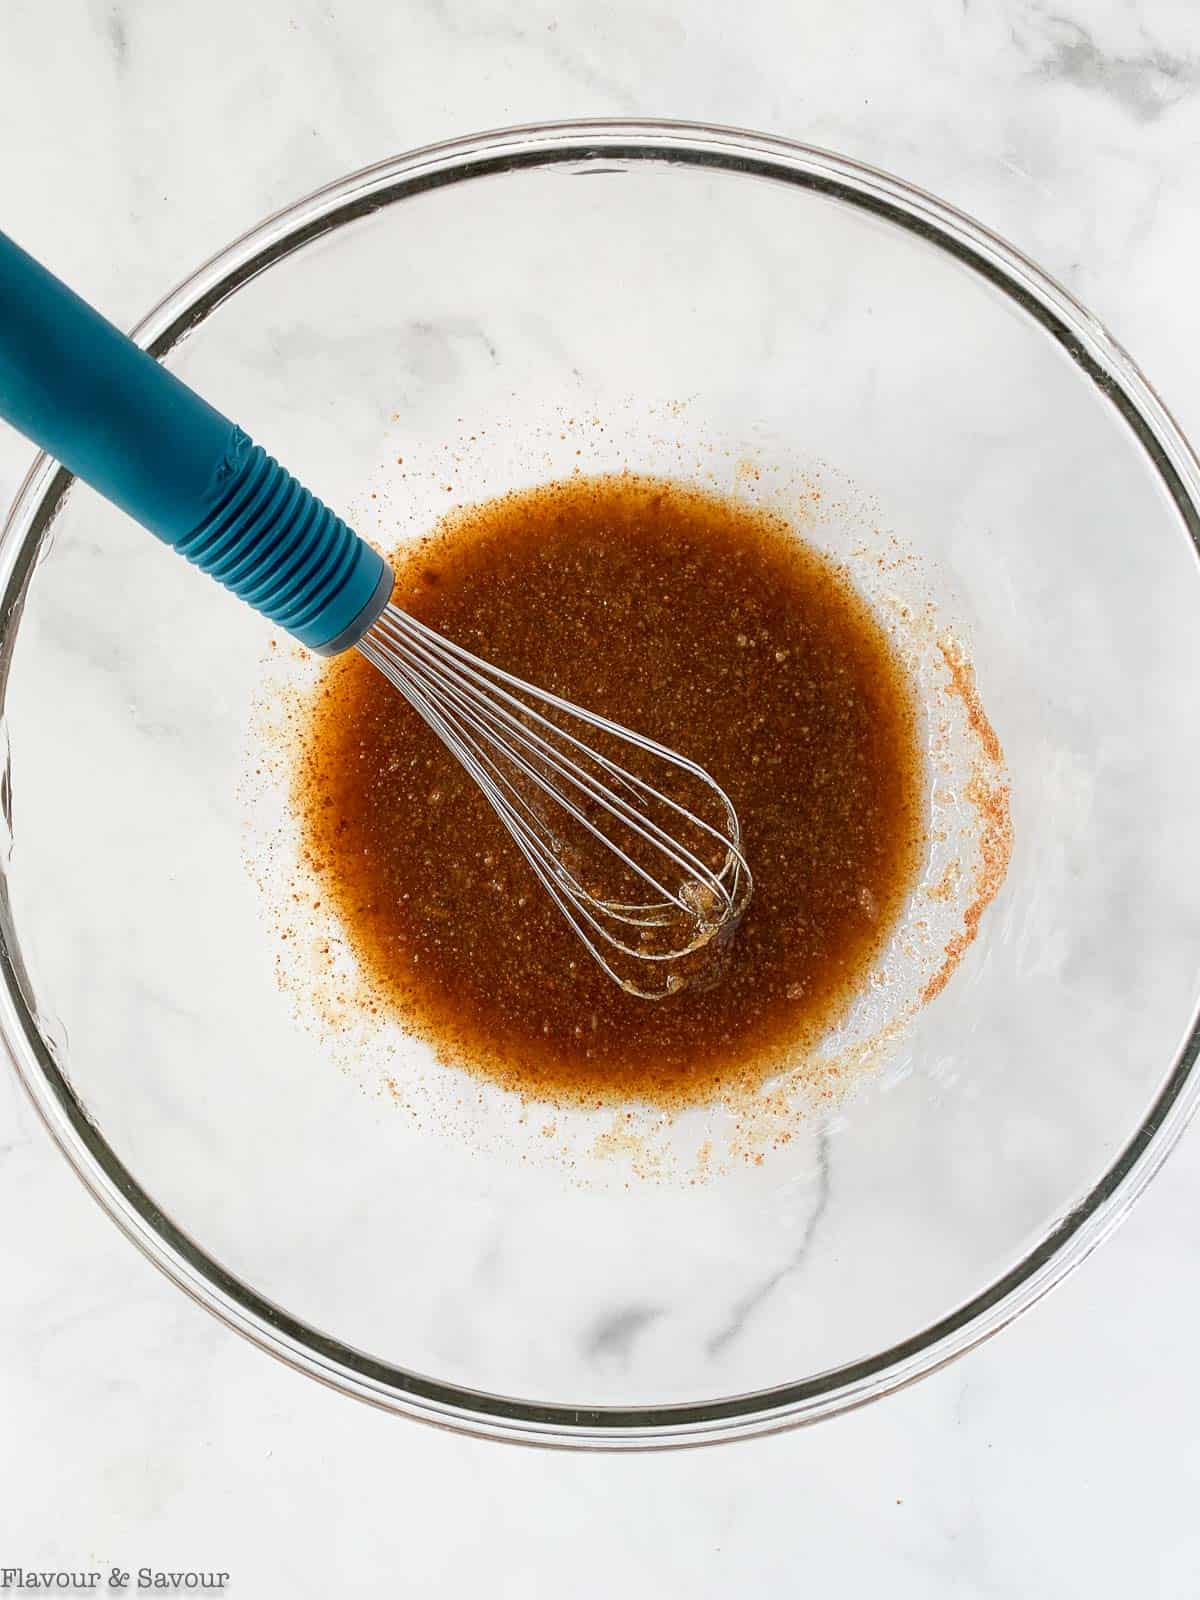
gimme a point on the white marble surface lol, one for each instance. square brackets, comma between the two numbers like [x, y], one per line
[1058, 1460]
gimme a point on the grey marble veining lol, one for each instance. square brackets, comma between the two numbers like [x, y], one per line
[749, 1303]
[1145, 83]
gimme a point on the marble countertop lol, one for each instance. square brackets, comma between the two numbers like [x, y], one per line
[1059, 1459]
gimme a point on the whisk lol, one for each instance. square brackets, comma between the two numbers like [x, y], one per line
[637, 846]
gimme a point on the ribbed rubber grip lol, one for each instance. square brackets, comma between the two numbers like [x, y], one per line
[116, 418]
[275, 545]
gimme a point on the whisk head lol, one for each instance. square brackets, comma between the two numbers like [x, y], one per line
[637, 846]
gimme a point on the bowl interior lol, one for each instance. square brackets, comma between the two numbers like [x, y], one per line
[717, 323]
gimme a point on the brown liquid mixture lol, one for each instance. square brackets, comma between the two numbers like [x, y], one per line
[705, 624]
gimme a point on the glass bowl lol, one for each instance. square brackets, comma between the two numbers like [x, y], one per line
[718, 303]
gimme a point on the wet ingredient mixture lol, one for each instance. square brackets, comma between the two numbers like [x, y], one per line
[711, 627]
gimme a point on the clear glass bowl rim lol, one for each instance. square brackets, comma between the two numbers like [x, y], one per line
[1100, 358]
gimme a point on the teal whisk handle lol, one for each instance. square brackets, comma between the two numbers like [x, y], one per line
[73, 383]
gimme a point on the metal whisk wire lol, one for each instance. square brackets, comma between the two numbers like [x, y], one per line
[490, 721]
